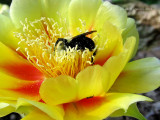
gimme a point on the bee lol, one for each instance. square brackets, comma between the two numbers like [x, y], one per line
[80, 41]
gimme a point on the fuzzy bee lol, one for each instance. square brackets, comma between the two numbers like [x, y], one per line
[81, 41]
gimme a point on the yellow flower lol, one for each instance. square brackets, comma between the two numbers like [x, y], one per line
[81, 80]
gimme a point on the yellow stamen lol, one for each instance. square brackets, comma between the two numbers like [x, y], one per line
[39, 38]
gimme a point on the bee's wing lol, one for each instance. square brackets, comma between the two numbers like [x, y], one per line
[84, 34]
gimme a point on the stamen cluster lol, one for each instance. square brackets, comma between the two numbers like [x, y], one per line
[37, 43]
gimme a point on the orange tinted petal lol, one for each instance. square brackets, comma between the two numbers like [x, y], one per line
[16, 66]
[18, 78]
[116, 63]
[23, 71]
[30, 88]
[98, 108]
[110, 43]
[91, 103]
[14, 87]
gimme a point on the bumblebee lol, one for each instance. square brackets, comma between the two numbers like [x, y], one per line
[80, 41]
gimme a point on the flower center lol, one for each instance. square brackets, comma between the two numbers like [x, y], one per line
[37, 43]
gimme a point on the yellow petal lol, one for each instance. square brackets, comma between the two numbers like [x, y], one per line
[59, 90]
[82, 15]
[139, 76]
[9, 56]
[112, 102]
[18, 78]
[58, 10]
[55, 8]
[35, 9]
[116, 63]
[9, 100]
[7, 105]
[130, 31]
[111, 13]
[91, 82]
[6, 109]
[14, 87]
[71, 113]
[15, 65]
[30, 9]
[102, 107]
[48, 111]
[37, 114]
[109, 41]
[6, 32]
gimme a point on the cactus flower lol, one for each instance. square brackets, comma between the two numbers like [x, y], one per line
[69, 59]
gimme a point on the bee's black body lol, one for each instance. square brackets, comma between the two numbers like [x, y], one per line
[81, 41]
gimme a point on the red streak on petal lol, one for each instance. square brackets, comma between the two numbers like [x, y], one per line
[102, 61]
[104, 58]
[24, 71]
[90, 29]
[21, 54]
[41, 101]
[65, 106]
[31, 89]
[91, 102]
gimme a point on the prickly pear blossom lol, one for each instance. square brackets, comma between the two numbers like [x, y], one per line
[69, 60]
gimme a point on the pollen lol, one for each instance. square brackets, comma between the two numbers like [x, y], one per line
[37, 42]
